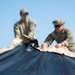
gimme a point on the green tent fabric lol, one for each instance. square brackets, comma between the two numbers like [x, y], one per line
[24, 60]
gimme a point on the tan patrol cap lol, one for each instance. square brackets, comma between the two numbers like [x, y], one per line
[24, 11]
[58, 22]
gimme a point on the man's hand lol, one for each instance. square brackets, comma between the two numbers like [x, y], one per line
[63, 44]
[44, 46]
[58, 45]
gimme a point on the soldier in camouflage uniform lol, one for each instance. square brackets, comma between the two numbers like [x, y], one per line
[63, 36]
[25, 26]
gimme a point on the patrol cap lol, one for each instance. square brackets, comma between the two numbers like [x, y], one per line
[24, 11]
[58, 22]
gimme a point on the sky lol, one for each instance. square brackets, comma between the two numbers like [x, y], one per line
[42, 11]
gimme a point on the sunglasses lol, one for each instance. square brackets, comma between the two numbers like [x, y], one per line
[57, 26]
[25, 14]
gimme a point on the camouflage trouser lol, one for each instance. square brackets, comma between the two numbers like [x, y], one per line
[72, 48]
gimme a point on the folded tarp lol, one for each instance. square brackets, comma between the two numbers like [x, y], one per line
[24, 60]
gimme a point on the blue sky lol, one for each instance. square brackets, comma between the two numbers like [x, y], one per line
[43, 11]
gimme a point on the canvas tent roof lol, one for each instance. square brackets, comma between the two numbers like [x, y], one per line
[24, 60]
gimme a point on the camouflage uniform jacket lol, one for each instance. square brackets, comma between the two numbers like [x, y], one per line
[64, 36]
[27, 28]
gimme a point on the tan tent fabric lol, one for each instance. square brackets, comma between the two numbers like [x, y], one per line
[61, 50]
[14, 43]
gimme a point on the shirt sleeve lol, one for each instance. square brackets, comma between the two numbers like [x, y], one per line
[16, 30]
[32, 29]
[49, 39]
[69, 37]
